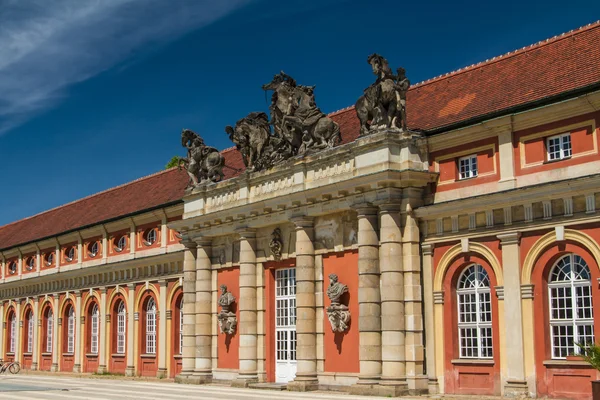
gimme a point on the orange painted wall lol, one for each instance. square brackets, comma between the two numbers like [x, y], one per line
[341, 349]
[582, 140]
[228, 345]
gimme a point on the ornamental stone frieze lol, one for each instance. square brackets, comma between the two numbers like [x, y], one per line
[227, 319]
[337, 313]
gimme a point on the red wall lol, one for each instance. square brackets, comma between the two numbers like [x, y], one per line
[228, 345]
[341, 349]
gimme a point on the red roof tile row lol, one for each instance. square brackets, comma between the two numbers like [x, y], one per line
[560, 65]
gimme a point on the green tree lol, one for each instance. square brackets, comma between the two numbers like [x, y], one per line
[173, 162]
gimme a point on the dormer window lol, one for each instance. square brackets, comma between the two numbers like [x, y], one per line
[30, 265]
[467, 167]
[559, 147]
[49, 259]
[93, 249]
[70, 254]
[150, 237]
[121, 243]
[12, 267]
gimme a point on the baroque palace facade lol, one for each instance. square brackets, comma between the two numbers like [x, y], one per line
[454, 248]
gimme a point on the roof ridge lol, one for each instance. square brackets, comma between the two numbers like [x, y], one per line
[512, 53]
[89, 196]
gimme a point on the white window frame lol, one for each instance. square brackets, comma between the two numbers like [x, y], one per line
[30, 325]
[475, 316]
[121, 243]
[30, 264]
[576, 290]
[470, 169]
[71, 331]
[70, 254]
[50, 259]
[13, 332]
[564, 150]
[94, 329]
[151, 327]
[121, 328]
[151, 237]
[94, 249]
[49, 331]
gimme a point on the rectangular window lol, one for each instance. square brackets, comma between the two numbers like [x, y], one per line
[49, 325]
[121, 332]
[71, 333]
[151, 333]
[467, 167]
[94, 338]
[30, 334]
[13, 331]
[559, 147]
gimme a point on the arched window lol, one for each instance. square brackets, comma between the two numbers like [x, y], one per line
[571, 312]
[181, 326]
[121, 316]
[13, 332]
[474, 313]
[30, 325]
[151, 326]
[71, 330]
[49, 326]
[94, 322]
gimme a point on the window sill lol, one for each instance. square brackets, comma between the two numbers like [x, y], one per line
[10, 354]
[466, 179]
[557, 160]
[178, 356]
[28, 354]
[566, 363]
[472, 361]
[117, 355]
[47, 354]
[68, 354]
[148, 355]
[91, 355]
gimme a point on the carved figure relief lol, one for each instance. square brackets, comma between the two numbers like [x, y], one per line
[203, 162]
[276, 244]
[337, 313]
[383, 105]
[227, 319]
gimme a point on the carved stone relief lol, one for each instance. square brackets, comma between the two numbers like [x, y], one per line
[276, 244]
[337, 313]
[227, 319]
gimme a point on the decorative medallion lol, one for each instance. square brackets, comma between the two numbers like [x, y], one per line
[276, 244]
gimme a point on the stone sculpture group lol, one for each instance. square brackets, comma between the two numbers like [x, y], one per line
[297, 126]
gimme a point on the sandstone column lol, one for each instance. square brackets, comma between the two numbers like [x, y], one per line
[3, 328]
[413, 315]
[102, 339]
[369, 301]
[515, 384]
[203, 307]
[55, 335]
[247, 327]
[427, 251]
[306, 350]
[35, 356]
[130, 332]
[78, 349]
[162, 329]
[188, 360]
[393, 377]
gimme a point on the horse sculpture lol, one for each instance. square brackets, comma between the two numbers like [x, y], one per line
[251, 137]
[202, 162]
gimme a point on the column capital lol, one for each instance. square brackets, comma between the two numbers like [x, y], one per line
[365, 209]
[303, 221]
[499, 292]
[389, 206]
[131, 286]
[246, 233]
[527, 291]
[509, 238]
[103, 289]
[203, 241]
[427, 249]
[77, 293]
[190, 244]
[162, 282]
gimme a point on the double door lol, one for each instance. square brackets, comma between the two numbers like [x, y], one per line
[285, 325]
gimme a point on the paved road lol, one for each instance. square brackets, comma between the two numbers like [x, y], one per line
[25, 387]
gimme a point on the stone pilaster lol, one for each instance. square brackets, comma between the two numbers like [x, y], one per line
[188, 360]
[203, 328]
[102, 340]
[2, 332]
[413, 314]
[247, 327]
[78, 349]
[393, 377]
[36, 353]
[162, 330]
[515, 383]
[55, 335]
[18, 329]
[306, 350]
[369, 302]
[130, 369]
[427, 253]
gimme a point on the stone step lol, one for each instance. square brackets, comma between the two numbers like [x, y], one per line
[268, 386]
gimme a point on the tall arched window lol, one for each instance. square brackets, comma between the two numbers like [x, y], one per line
[49, 326]
[474, 313]
[181, 326]
[71, 330]
[30, 325]
[571, 312]
[13, 332]
[151, 326]
[94, 322]
[121, 316]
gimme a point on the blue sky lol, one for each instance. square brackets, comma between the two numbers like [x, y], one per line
[94, 94]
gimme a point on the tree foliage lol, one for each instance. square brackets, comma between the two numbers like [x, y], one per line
[173, 162]
[590, 352]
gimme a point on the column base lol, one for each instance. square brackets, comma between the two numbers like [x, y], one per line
[77, 368]
[101, 369]
[304, 384]
[434, 387]
[34, 366]
[516, 389]
[130, 371]
[193, 379]
[244, 380]
[54, 368]
[417, 385]
[393, 387]
[161, 373]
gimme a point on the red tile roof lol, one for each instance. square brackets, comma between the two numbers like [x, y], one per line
[559, 65]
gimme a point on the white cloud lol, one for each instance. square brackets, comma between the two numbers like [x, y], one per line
[45, 46]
